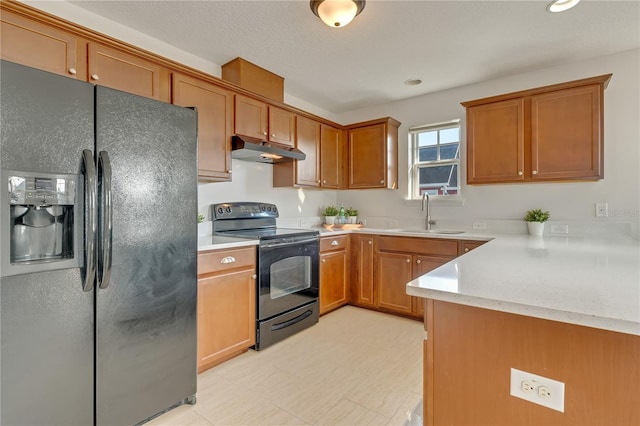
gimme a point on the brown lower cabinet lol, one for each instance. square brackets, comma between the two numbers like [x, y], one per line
[334, 272]
[399, 260]
[469, 353]
[362, 274]
[226, 304]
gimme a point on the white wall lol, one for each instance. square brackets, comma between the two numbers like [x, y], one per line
[253, 182]
[572, 203]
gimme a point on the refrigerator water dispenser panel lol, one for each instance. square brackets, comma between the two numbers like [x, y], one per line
[44, 214]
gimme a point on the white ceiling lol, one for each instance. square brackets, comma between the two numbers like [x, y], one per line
[444, 43]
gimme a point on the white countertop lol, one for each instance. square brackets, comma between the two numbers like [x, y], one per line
[589, 282]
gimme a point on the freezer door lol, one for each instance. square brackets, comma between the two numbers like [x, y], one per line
[146, 315]
[46, 319]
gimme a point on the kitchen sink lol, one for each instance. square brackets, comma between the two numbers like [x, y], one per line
[431, 231]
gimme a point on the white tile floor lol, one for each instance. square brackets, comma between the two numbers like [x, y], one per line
[355, 367]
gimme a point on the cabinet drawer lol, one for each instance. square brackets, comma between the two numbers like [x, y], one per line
[225, 260]
[419, 245]
[333, 243]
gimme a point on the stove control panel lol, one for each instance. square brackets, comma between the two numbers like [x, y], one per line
[243, 210]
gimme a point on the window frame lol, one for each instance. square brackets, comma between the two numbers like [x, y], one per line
[415, 165]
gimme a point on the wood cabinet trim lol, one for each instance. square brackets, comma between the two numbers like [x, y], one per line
[601, 79]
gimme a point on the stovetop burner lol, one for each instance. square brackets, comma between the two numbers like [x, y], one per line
[253, 221]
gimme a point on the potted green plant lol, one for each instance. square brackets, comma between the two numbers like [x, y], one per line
[352, 215]
[330, 213]
[536, 219]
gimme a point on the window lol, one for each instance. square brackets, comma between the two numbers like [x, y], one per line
[434, 159]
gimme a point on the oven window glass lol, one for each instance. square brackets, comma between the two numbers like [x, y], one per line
[290, 275]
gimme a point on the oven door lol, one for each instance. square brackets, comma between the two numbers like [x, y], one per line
[287, 274]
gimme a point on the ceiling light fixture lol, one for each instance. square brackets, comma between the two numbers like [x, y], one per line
[337, 13]
[561, 5]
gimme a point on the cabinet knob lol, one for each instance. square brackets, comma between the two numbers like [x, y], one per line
[324, 181]
[535, 172]
[370, 242]
[334, 243]
[418, 261]
[520, 173]
[273, 135]
[466, 249]
[408, 260]
[318, 181]
[228, 259]
[72, 71]
[254, 276]
[382, 182]
[324, 260]
[264, 133]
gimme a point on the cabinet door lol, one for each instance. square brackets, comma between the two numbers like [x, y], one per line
[282, 126]
[331, 157]
[422, 265]
[250, 117]
[362, 285]
[495, 142]
[226, 316]
[113, 68]
[41, 46]
[215, 118]
[333, 280]
[566, 134]
[308, 141]
[367, 157]
[393, 274]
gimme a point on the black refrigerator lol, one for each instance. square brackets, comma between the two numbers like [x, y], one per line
[98, 246]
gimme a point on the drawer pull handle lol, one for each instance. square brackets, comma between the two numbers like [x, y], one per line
[228, 259]
[334, 243]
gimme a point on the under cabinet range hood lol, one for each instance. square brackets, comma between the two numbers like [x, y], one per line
[253, 149]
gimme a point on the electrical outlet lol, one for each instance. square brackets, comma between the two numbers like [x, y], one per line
[602, 209]
[479, 226]
[537, 389]
[560, 229]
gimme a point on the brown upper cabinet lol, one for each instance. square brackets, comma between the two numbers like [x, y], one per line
[46, 47]
[324, 162]
[551, 133]
[332, 157]
[41, 46]
[123, 71]
[215, 117]
[259, 120]
[373, 154]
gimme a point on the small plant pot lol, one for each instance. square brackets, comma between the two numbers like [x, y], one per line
[352, 219]
[536, 228]
[330, 220]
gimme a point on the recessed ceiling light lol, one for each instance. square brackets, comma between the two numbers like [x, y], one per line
[413, 82]
[561, 5]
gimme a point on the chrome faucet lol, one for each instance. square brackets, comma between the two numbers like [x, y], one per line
[426, 207]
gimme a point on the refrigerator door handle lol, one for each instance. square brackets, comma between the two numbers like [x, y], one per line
[90, 232]
[106, 234]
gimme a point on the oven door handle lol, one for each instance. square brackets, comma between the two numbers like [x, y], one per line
[278, 244]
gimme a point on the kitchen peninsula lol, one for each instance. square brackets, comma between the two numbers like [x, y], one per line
[563, 308]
